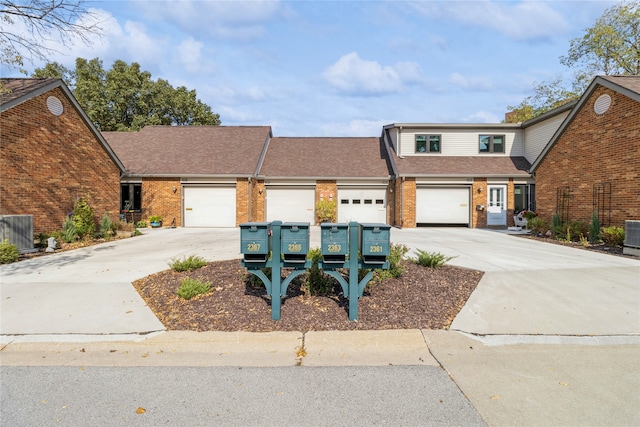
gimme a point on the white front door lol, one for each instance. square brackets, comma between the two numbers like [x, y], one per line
[497, 205]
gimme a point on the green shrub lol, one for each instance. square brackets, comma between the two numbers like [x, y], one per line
[107, 226]
[141, 224]
[573, 230]
[612, 236]
[41, 238]
[396, 269]
[8, 252]
[594, 228]
[326, 211]
[69, 231]
[189, 288]
[537, 225]
[192, 262]
[82, 218]
[317, 282]
[430, 259]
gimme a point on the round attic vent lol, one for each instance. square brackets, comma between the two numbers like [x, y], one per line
[602, 104]
[54, 105]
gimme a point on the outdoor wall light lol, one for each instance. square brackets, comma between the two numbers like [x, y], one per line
[479, 189]
[174, 189]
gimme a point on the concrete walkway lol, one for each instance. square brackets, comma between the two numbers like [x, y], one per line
[551, 335]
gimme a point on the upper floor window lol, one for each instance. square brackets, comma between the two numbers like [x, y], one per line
[427, 143]
[492, 143]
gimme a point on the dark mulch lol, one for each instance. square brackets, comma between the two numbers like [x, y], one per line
[421, 298]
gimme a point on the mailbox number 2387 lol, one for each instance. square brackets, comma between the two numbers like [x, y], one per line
[375, 249]
[253, 247]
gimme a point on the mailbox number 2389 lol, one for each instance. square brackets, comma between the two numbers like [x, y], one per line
[253, 247]
[375, 249]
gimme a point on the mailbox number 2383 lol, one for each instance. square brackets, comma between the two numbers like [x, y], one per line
[375, 249]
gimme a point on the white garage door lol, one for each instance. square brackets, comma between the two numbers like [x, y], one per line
[442, 205]
[362, 205]
[291, 204]
[209, 206]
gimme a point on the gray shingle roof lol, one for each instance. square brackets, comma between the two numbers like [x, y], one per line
[190, 150]
[325, 158]
[477, 166]
[629, 82]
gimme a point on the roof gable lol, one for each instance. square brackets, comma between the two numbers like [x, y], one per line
[626, 85]
[191, 150]
[23, 90]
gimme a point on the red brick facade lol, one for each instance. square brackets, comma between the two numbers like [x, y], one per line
[48, 161]
[159, 198]
[594, 150]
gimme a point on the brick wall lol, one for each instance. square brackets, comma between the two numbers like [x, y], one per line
[409, 208]
[158, 198]
[595, 149]
[47, 162]
[242, 200]
[257, 201]
[479, 197]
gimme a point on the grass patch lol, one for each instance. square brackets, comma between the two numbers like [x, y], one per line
[189, 288]
[192, 262]
[430, 259]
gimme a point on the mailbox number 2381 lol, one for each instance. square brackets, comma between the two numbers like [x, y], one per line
[375, 249]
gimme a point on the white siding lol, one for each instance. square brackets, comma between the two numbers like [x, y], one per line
[461, 142]
[539, 135]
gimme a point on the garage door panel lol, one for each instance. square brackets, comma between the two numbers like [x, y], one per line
[442, 206]
[362, 205]
[209, 206]
[291, 204]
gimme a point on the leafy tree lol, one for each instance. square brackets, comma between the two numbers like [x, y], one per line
[611, 46]
[27, 27]
[125, 98]
[56, 71]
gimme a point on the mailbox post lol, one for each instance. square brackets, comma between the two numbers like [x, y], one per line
[258, 240]
[376, 239]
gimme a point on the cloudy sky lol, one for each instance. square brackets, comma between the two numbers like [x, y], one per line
[343, 68]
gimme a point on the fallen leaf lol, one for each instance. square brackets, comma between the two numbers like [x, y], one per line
[140, 410]
[495, 397]
[563, 384]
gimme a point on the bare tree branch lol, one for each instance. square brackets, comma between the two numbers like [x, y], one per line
[28, 29]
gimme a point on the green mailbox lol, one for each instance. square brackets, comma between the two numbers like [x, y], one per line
[295, 241]
[255, 242]
[375, 243]
[334, 240]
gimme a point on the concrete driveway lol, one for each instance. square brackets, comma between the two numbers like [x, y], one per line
[529, 288]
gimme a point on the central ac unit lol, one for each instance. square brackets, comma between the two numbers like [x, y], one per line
[632, 234]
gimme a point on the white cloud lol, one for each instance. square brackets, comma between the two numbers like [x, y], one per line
[355, 76]
[526, 20]
[470, 82]
[242, 20]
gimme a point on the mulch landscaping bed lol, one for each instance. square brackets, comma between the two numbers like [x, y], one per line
[421, 298]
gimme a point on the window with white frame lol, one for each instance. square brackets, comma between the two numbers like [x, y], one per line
[428, 143]
[491, 144]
